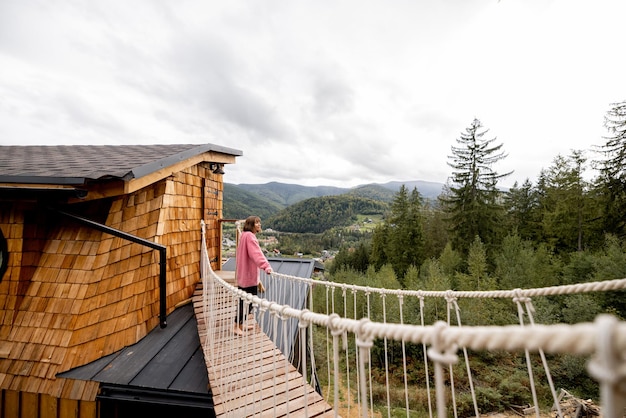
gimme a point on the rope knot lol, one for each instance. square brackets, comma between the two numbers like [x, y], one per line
[605, 365]
[332, 325]
[330, 322]
[450, 296]
[303, 323]
[420, 295]
[441, 352]
[364, 336]
[281, 313]
[519, 296]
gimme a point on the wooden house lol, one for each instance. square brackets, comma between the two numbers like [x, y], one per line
[99, 255]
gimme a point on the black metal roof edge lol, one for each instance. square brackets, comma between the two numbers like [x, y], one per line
[149, 168]
[42, 180]
[165, 397]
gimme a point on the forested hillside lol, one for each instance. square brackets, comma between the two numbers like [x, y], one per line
[317, 215]
[287, 194]
[239, 204]
[374, 192]
[266, 200]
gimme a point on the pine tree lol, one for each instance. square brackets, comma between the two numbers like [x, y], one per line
[522, 207]
[399, 241]
[379, 250]
[435, 231]
[566, 206]
[406, 237]
[472, 201]
[612, 179]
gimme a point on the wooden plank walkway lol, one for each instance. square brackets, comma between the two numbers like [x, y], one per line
[249, 376]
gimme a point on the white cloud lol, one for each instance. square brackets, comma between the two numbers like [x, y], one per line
[317, 93]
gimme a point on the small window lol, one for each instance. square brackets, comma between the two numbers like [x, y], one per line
[4, 255]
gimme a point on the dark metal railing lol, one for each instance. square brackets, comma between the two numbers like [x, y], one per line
[162, 256]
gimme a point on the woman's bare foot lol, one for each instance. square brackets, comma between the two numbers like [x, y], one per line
[238, 330]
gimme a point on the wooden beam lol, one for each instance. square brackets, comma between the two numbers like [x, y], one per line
[213, 157]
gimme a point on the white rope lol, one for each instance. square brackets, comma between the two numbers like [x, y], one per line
[529, 367]
[369, 354]
[345, 344]
[450, 300]
[529, 311]
[275, 362]
[430, 408]
[328, 368]
[335, 333]
[405, 378]
[441, 353]
[364, 342]
[283, 318]
[576, 339]
[601, 286]
[314, 377]
[556, 338]
[302, 326]
[604, 340]
[609, 368]
[383, 297]
[465, 356]
[357, 353]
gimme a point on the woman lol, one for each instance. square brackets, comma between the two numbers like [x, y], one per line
[249, 259]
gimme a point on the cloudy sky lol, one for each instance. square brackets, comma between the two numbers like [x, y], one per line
[316, 92]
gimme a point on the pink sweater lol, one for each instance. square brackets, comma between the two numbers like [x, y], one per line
[249, 260]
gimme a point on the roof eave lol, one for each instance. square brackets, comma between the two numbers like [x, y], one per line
[171, 160]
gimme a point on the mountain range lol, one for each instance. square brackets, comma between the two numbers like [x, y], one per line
[268, 199]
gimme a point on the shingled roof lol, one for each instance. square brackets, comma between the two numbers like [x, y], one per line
[78, 164]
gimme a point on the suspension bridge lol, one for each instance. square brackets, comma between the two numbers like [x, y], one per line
[273, 369]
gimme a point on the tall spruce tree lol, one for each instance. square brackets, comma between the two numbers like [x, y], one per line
[380, 238]
[522, 207]
[472, 199]
[611, 183]
[400, 240]
[566, 205]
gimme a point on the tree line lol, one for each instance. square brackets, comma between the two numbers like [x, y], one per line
[529, 235]
[561, 230]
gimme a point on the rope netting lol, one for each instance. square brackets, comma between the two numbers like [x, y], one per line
[331, 343]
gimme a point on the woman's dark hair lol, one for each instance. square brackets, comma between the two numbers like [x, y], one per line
[248, 225]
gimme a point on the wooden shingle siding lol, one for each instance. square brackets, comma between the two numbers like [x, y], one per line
[15, 404]
[73, 294]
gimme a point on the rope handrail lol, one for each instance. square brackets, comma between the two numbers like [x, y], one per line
[581, 338]
[603, 340]
[599, 286]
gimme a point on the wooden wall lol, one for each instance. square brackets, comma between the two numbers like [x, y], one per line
[73, 294]
[15, 404]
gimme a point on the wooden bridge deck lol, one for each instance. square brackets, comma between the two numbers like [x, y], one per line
[258, 381]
